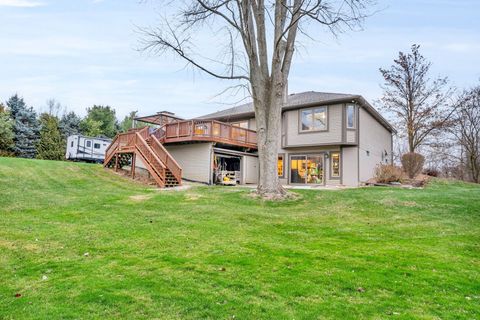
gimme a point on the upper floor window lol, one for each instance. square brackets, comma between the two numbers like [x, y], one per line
[314, 119]
[241, 124]
[350, 116]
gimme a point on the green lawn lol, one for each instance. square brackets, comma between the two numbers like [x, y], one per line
[216, 253]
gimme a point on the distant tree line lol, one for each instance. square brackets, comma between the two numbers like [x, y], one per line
[436, 125]
[24, 133]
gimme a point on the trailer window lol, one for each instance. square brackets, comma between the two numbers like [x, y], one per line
[89, 144]
[96, 145]
[71, 144]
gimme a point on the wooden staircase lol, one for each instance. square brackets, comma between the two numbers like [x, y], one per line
[139, 143]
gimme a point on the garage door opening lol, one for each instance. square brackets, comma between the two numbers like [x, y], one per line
[227, 169]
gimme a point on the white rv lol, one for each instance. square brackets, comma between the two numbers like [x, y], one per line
[82, 148]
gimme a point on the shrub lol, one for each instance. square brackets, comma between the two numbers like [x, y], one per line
[412, 164]
[432, 172]
[387, 173]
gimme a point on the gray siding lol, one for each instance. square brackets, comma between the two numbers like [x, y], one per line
[350, 166]
[351, 136]
[374, 141]
[252, 124]
[332, 136]
[195, 160]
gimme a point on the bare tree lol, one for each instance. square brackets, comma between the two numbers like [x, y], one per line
[54, 107]
[418, 104]
[259, 40]
[466, 130]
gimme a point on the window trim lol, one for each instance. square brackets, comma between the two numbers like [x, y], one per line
[312, 109]
[334, 177]
[238, 124]
[354, 127]
[282, 155]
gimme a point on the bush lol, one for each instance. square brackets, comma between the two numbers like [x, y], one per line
[432, 172]
[412, 164]
[387, 173]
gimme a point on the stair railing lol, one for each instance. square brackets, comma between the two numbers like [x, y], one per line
[151, 158]
[167, 158]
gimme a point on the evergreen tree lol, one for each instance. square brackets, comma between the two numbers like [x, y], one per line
[25, 127]
[104, 116]
[128, 121]
[69, 124]
[6, 131]
[51, 146]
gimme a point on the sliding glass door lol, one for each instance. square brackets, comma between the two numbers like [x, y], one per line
[306, 169]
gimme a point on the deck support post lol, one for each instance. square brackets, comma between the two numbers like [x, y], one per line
[134, 156]
[116, 162]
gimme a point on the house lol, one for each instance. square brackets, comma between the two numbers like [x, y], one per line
[325, 139]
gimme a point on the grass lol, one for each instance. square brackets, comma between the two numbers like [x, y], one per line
[215, 253]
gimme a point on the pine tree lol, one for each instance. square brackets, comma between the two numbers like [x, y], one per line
[51, 146]
[6, 131]
[69, 124]
[25, 127]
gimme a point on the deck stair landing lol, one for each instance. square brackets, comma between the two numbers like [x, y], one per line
[139, 143]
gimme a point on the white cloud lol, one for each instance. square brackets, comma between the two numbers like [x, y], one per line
[21, 3]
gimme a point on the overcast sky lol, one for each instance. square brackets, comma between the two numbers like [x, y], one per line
[83, 52]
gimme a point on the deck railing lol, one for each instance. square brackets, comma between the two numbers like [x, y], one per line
[210, 130]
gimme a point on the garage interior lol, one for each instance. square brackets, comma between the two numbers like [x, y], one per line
[227, 169]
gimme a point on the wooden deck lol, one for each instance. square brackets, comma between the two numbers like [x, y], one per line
[206, 130]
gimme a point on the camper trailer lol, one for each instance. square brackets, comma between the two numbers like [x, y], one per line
[82, 148]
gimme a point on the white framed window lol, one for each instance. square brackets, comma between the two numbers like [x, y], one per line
[96, 145]
[89, 143]
[350, 116]
[314, 119]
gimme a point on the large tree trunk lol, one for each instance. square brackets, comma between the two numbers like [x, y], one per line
[268, 112]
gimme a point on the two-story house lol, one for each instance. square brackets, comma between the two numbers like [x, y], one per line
[326, 139]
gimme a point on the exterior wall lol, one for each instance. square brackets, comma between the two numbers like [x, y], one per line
[252, 124]
[349, 156]
[333, 134]
[195, 160]
[351, 136]
[374, 141]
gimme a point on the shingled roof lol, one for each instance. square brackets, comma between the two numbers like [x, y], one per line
[299, 100]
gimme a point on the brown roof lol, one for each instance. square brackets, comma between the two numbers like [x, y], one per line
[298, 100]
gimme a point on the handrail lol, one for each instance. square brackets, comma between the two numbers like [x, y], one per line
[216, 130]
[169, 161]
[154, 155]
